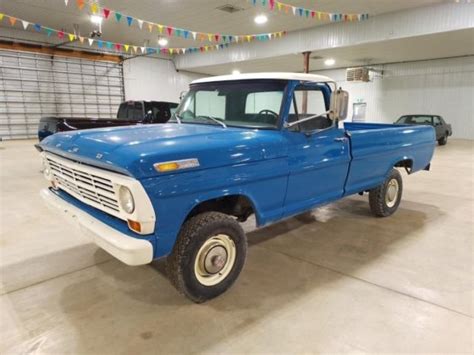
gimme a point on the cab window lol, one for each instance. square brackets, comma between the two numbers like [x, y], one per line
[309, 102]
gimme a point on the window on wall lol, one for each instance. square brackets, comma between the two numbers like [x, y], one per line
[306, 103]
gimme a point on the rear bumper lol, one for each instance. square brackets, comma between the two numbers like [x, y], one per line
[131, 251]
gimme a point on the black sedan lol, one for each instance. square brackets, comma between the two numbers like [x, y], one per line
[443, 130]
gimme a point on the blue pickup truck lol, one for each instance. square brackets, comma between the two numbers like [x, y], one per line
[269, 144]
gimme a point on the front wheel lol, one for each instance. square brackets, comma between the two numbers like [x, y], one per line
[208, 256]
[385, 199]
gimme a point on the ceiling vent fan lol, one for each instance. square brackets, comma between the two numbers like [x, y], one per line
[229, 8]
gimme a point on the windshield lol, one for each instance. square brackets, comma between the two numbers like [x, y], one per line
[422, 119]
[248, 103]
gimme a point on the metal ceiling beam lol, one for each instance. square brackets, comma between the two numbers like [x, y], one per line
[397, 25]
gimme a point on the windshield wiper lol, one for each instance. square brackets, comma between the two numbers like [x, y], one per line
[177, 118]
[214, 119]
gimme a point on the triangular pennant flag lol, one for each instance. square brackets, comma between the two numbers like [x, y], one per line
[217, 37]
[118, 46]
[169, 30]
[81, 39]
[271, 4]
[184, 50]
[142, 49]
[209, 37]
[1, 17]
[135, 49]
[194, 35]
[294, 10]
[118, 16]
[94, 8]
[186, 34]
[109, 45]
[150, 26]
[140, 23]
[171, 51]
[160, 29]
[126, 46]
[178, 32]
[25, 24]
[129, 20]
[90, 40]
[100, 43]
[37, 27]
[49, 32]
[279, 6]
[71, 36]
[61, 34]
[106, 13]
[65, 2]
[80, 4]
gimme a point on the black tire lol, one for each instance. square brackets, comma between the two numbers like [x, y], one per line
[194, 235]
[443, 140]
[379, 205]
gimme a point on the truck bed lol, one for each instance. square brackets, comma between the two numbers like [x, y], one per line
[376, 148]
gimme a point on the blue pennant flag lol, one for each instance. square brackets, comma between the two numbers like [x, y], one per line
[129, 20]
[37, 27]
[100, 44]
[186, 34]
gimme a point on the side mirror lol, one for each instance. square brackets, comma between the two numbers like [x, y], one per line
[339, 105]
[149, 116]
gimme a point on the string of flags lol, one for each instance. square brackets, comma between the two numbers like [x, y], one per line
[124, 47]
[107, 13]
[279, 6]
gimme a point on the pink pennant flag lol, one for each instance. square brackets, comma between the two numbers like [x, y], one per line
[118, 46]
[60, 34]
[106, 13]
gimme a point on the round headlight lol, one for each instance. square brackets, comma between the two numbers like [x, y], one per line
[47, 170]
[126, 199]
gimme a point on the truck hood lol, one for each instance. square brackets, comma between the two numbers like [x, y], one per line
[134, 150]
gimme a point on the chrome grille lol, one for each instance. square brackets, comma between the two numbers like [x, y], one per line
[89, 188]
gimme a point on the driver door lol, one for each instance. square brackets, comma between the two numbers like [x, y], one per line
[318, 155]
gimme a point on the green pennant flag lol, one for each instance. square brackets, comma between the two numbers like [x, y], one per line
[118, 16]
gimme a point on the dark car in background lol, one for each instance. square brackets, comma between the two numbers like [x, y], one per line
[443, 130]
[129, 113]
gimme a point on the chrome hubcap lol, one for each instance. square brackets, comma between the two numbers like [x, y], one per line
[391, 194]
[214, 260]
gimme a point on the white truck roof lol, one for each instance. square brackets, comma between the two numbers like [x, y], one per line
[278, 76]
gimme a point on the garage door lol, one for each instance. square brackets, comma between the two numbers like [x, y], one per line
[33, 85]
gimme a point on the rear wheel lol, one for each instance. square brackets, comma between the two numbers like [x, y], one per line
[443, 140]
[208, 256]
[385, 199]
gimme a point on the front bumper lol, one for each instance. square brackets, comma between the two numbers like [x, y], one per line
[131, 251]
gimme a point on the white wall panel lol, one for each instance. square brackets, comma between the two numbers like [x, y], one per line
[443, 86]
[154, 79]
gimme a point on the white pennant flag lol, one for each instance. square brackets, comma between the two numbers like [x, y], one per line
[140, 23]
[194, 35]
[294, 10]
[269, 36]
[66, 1]
[184, 50]
[90, 41]
[142, 49]
[25, 24]
[135, 49]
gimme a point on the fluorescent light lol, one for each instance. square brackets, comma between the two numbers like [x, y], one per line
[260, 19]
[329, 62]
[235, 72]
[162, 41]
[96, 19]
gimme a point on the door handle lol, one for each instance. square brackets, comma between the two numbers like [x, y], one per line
[340, 139]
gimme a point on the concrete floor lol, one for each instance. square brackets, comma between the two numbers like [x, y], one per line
[335, 280]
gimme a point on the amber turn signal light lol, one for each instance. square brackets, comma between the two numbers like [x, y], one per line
[134, 226]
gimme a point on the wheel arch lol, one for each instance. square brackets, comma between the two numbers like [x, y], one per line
[237, 204]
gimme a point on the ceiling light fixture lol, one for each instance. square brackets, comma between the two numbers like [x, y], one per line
[162, 41]
[235, 72]
[260, 19]
[329, 62]
[96, 19]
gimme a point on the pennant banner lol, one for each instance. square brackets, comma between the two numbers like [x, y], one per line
[282, 7]
[127, 48]
[171, 31]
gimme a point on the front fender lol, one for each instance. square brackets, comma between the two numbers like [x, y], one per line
[174, 196]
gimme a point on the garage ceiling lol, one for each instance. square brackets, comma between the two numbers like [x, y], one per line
[198, 15]
[455, 43]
